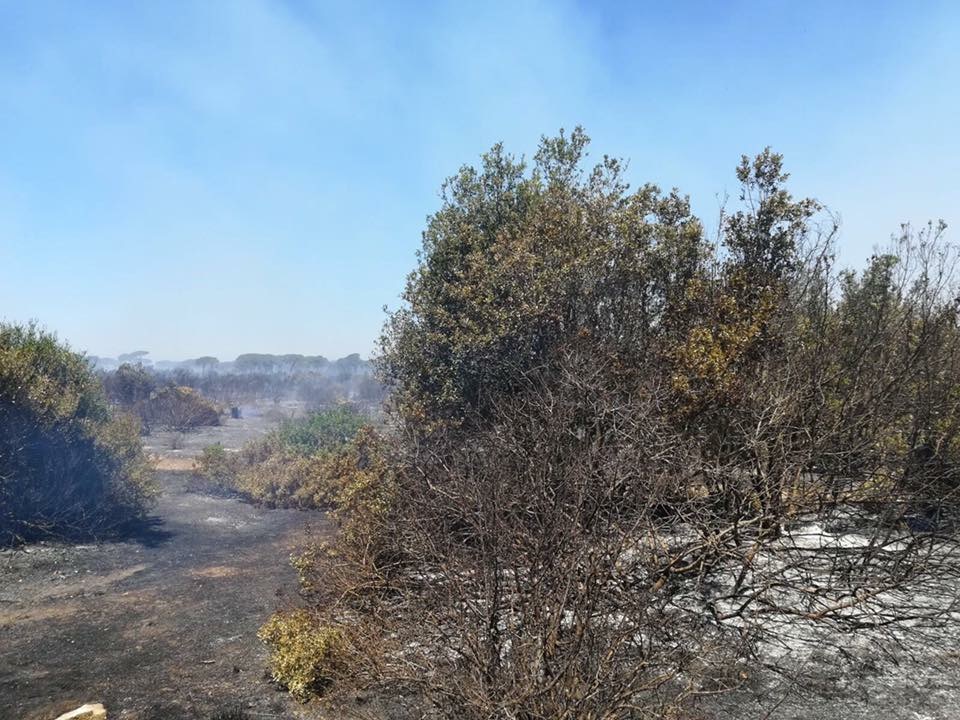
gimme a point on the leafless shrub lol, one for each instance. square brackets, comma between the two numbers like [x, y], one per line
[582, 557]
[179, 408]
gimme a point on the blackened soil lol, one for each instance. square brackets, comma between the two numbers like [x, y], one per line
[162, 626]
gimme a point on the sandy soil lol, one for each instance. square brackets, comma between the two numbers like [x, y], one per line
[161, 626]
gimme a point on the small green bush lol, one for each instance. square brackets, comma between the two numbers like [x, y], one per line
[300, 464]
[306, 656]
[320, 431]
[217, 466]
[68, 466]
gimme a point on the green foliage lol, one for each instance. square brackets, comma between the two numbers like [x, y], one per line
[305, 655]
[67, 466]
[300, 464]
[763, 238]
[320, 431]
[519, 262]
[520, 265]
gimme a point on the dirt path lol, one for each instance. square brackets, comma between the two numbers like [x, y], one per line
[158, 628]
[164, 627]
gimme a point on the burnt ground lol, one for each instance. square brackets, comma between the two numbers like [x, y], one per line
[849, 680]
[160, 626]
[163, 626]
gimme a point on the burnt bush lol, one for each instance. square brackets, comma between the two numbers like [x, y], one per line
[231, 714]
[137, 391]
[631, 466]
[68, 466]
[179, 408]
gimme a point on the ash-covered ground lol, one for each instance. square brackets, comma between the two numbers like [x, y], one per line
[161, 626]
[849, 678]
[175, 449]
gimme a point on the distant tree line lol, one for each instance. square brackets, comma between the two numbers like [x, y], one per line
[257, 376]
[245, 363]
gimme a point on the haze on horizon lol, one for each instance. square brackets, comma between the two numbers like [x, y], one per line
[222, 178]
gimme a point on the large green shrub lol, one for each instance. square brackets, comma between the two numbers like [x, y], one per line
[522, 260]
[67, 466]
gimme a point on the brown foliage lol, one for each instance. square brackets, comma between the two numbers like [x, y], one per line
[628, 466]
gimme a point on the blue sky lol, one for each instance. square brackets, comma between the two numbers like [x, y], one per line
[224, 177]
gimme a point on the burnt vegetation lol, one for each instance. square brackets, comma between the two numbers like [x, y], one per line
[623, 465]
[159, 404]
[303, 463]
[629, 465]
[69, 466]
[250, 378]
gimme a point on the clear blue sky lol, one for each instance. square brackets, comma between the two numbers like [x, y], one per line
[222, 177]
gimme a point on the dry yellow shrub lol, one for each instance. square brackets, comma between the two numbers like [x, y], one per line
[306, 656]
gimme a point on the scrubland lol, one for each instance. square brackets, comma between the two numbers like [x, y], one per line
[625, 467]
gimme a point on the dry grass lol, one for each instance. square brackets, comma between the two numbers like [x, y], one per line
[172, 464]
